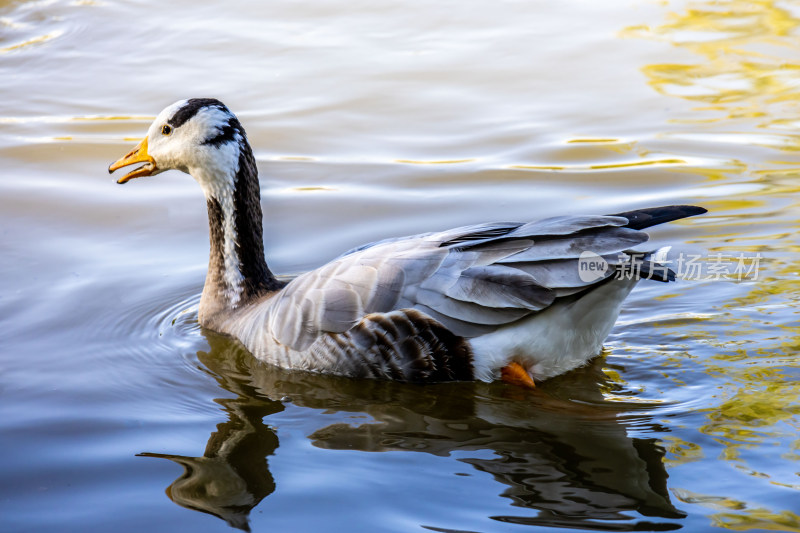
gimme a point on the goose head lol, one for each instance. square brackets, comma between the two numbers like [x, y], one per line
[199, 136]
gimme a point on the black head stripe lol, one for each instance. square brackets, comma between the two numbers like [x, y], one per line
[226, 133]
[185, 113]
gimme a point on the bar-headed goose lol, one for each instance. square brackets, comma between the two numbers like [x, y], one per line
[503, 300]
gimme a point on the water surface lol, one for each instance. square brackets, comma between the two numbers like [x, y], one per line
[372, 120]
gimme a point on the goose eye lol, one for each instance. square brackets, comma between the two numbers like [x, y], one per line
[166, 130]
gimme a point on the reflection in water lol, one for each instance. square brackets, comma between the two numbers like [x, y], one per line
[571, 462]
[742, 77]
[232, 477]
[747, 64]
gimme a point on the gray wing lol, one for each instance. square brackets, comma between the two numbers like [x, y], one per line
[471, 279]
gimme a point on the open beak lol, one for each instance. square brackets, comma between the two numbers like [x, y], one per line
[137, 155]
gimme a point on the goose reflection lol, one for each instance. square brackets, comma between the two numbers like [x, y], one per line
[232, 476]
[571, 462]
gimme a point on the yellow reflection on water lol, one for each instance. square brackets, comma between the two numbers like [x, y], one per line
[68, 119]
[680, 451]
[758, 519]
[597, 141]
[752, 519]
[440, 162]
[742, 75]
[605, 166]
[747, 60]
[39, 39]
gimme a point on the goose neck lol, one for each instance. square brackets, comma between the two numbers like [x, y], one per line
[237, 270]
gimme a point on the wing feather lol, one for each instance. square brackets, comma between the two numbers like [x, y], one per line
[604, 242]
[471, 279]
[338, 308]
[468, 311]
[499, 286]
[565, 225]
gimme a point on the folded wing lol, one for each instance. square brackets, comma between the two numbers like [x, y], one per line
[472, 279]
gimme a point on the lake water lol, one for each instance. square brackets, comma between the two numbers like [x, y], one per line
[377, 119]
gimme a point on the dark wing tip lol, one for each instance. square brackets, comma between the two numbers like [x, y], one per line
[652, 216]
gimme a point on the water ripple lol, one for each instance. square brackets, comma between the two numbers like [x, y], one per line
[39, 39]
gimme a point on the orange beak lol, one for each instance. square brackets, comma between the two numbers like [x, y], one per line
[137, 155]
[516, 375]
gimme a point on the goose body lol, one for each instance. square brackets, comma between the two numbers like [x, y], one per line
[490, 301]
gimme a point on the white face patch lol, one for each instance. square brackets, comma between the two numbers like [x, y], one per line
[168, 150]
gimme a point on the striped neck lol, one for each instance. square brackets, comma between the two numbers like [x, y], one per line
[237, 271]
